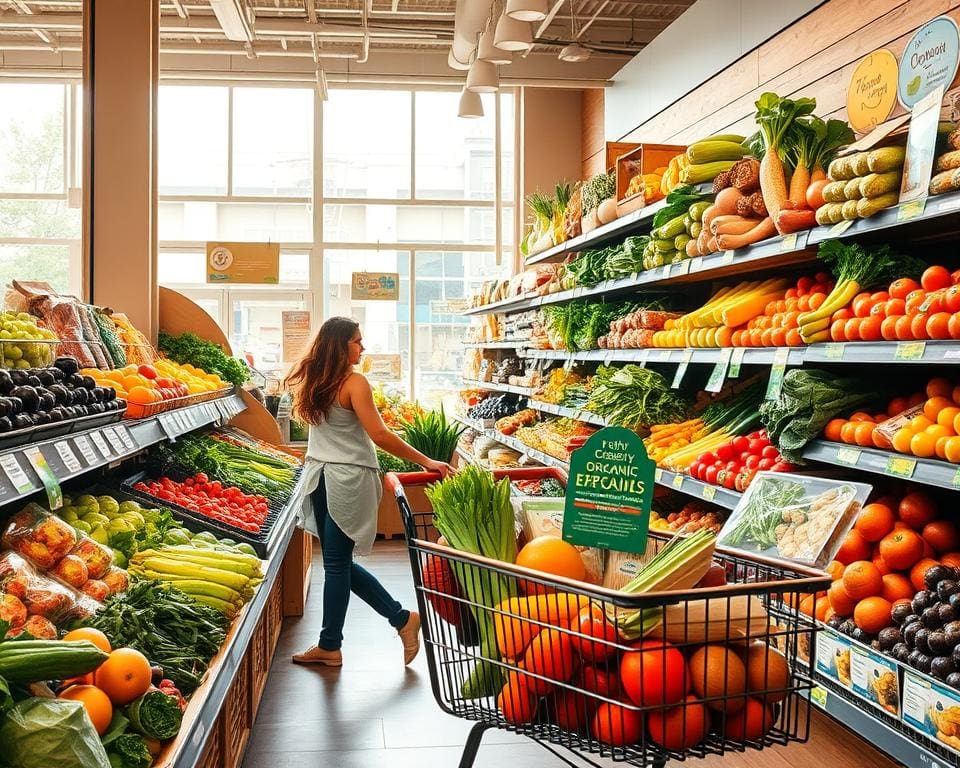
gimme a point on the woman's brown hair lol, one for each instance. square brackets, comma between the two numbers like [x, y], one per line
[316, 379]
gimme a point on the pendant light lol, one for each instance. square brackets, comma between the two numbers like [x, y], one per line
[483, 77]
[527, 10]
[470, 104]
[487, 51]
[574, 52]
[513, 35]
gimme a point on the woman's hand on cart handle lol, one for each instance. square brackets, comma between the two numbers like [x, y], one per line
[442, 467]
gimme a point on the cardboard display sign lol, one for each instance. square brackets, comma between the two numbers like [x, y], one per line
[254, 263]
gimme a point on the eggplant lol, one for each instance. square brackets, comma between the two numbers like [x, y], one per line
[45, 378]
[16, 405]
[41, 418]
[80, 396]
[19, 377]
[56, 414]
[88, 382]
[22, 421]
[97, 394]
[28, 396]
[109, 393]
[923, 663]
[75, 381]
[34, 381]
[5, 424]
[847, 626]
[68, 365]
[57, 374]
[6, 383]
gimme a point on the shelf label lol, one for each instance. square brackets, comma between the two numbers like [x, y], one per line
[736, 360]
[848, 456]
[126, 437]
[788, 243]
[777, 372]
[840, 227]
[833, 351]
[912, 210]
[15, 474]
[101, 444]
[67, 456]
[696, 263]
[898, 466]
[949, 203]
[50, 483]
[658, 475]
[727, 258]
[677, 481]
[115, 440]
[709, 492]
[910, 350]
[86, 450]
[719, 373]
[682, 368]
[956, 479]
[683, 267]
[818, 696]
[665, 272]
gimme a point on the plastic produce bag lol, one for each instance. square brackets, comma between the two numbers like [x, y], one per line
[50, 733]
[39, 536]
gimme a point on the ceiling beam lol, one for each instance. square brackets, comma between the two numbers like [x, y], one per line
[311, 9]
[551, 15]
[593, 18]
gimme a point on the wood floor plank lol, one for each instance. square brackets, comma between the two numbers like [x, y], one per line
[375, 712]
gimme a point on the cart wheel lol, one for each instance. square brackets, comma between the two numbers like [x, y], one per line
[472, 746]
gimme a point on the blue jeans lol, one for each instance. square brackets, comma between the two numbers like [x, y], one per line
[342, 575]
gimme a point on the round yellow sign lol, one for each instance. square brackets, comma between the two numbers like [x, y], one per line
[872, 93]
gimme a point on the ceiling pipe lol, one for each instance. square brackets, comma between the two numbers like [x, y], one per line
[365, 6]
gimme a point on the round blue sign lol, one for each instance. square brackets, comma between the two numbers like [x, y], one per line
[929, 60]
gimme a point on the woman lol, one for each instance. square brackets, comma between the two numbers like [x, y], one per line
[342, 485]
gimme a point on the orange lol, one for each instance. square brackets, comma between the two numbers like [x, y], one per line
[947, 416]
[920, 423]
[832, 430]
[951, 450]
[896, 586]
[923, 445]
[839, 601]
[901, 549]
[939, 387]
[878, 561]
[861, 579]
[835, 569]
[902, 439]
[549, 554]
[848, 433]
[768, 673]
[938, 431]
[942, 535]
[952, 559]
[933, 406]
[95, 636]
[941, 447]
[919, 570]
[680, 727]
[854, 547]
[517, 704]
[124, 676]
[863, 434]
[917, 509]
[140, 395]
[129, 382]
[98, 706]
[872, 614]
[750, 723]
[807, 605]
[875, 521]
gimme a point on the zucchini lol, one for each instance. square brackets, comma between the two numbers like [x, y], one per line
[700, 173]
[736, 138]
[696, 229]
[697, 209]
[680, 242]
[30, 661]
[886, 159]
[671, 229]
[663, 246]
[876, 184]
[873, 205]
[851, 190]
[687, 223]
[712, 150]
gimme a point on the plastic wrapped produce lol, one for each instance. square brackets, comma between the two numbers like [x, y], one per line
[39, 536]
[32, 601]
[61, 315]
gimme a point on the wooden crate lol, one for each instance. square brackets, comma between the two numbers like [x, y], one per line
[643, 158]
[295, 574]
[236, 717]
[273, 616]
[213, 751]
[260, 655]
[614, 150]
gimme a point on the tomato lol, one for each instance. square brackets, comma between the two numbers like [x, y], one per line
[730, 480]
[758, 444]
[200, 477]
[695, 468]
[782, 466]
[654, 674]
[616, 725]
[902, 287]
[741, 444]
[725, 452]
[770, 452]
[765, 464]
[815, 194]
[936, 277]
[708, 458]
[752, 461]
[918, 326]
[804, 284]
[938, 325]
[592, 626]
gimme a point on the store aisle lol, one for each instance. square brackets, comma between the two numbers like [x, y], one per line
[373, 712]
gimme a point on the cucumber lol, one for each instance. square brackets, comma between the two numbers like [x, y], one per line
[664, 246]
[669, 230]
[30, 661]
[486, 679]
[697, 210]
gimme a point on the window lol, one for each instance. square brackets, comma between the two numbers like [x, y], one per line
[39, 232]
[192, 132]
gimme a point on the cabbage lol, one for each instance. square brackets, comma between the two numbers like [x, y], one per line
[50, 733]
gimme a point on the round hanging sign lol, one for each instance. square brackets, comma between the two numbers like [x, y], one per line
[929, 60]
[872, 92]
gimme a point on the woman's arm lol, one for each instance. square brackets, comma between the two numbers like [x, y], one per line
[360, 399]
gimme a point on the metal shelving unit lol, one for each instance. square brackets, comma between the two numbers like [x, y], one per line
[524, 391]
[518, 344]
[940, 474]
[717, 494]
[570, 413]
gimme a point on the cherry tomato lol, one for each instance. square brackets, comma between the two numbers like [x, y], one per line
[770, 452]
[725, 452]
[765, 464]
[752, 461]
[741, 444]
[710, 475]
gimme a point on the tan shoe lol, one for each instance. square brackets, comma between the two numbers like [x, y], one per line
[318, 655]
[410, 635]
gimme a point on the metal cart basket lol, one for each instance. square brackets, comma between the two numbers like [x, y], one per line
[726, 668]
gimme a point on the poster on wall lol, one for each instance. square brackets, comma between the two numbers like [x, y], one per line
[872, 93]
[929, 61]
[375, 286]
[295, 331]
[381, 367]
[256, 263]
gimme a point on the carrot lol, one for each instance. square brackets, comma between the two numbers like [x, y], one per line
[798, 185]
[550, 654]
[725, 202]
[818, 174]
[516, 625]
[732, 225]
[762, 231]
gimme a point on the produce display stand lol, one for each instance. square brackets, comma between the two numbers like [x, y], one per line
[450, 657]
[932, 219]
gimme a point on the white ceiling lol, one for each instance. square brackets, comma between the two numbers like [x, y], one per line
[403, 37]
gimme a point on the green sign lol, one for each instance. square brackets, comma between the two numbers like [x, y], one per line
[50, 483]
[609, 492]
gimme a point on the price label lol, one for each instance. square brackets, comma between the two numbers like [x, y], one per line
[788, 243]
[727, 258]
[899, 466]
[50, 483]
[736, 360]
[86, 450]
[818, 696]
[910, 350]
[956, 479]
[683, 268]
[682, 368]
[696, 264]
[840, 227]
[677, 481]
[709, 492]
[115, 441]
[719, 373]
[833, 351]
[848, 456]
[665, 272]
[67, 456]
[101, 444]
[15, 474]
[777, 372]
[912, 210]
[658, 475]
[126, 437]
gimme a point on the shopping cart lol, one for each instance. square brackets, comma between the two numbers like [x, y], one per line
[748, 689]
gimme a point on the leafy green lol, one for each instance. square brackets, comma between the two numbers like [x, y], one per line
[777, 119]
[816, 141]
[678, 202]
[763, 512]
[49, 733]
[190, 348]
[634, 397]
[130, 751]
[156, 715]
[867, 266]
[390, 463]
[433, 435]
[808, 399]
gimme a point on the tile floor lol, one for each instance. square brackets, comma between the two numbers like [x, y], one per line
[374, 713]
